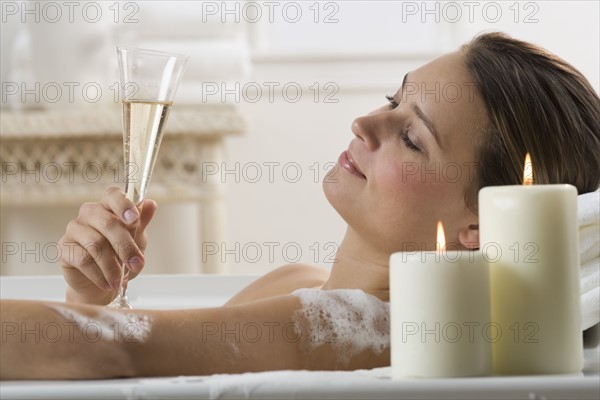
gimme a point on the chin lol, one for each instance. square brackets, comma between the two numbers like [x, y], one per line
[340, 195]
[343, 198]
[331, 191]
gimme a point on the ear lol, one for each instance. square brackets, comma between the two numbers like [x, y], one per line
[469, 237]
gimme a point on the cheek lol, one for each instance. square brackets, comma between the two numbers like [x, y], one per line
[406, 181]
[408, 190]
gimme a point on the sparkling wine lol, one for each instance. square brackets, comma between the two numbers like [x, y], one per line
[144, 122]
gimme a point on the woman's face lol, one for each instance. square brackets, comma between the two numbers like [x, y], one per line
[412, 160]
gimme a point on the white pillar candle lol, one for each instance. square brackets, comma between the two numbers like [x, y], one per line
[529, 236]
[439, 307]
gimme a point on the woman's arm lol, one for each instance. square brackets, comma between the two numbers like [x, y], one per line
[37, 342]
[258, 336]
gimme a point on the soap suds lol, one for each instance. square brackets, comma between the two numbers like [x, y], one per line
[350, 320]
[109, 325]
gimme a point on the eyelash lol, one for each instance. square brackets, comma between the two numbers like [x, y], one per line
[404, 134]
[393, 103]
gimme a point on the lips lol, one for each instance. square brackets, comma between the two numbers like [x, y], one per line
[349, 165]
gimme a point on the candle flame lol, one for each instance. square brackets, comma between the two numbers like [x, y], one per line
[441, 238]
[528, 171]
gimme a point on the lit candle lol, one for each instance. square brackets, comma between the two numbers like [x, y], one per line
[439, 307]
[529, 236]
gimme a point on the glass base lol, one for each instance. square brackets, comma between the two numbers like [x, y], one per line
[120, 303]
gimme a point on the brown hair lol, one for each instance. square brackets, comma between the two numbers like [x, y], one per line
[536, 103]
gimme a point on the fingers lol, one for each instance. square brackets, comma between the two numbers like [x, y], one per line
[82, 263]
[91, 255]
[148, 210]
[116, 201]
[113, 233]
[101, 238]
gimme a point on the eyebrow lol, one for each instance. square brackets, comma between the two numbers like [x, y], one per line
[421, 115]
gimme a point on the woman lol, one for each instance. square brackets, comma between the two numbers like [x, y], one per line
[481, 108]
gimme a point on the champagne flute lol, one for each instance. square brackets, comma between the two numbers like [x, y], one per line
[149, 80]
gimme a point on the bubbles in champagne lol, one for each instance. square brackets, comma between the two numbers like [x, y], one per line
[144, 122]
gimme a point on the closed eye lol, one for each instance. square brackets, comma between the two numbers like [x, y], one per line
[404, 134]
[407, 142]
[393, 103]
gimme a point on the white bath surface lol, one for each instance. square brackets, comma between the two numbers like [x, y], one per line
[362, 384]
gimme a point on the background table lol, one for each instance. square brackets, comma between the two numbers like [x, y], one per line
[63, 157]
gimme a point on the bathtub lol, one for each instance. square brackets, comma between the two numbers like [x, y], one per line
[184, 291]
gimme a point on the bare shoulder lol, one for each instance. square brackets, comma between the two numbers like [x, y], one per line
[299, 274]
[282, 281]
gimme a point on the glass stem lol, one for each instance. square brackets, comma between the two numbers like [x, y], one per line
[121, 301]
[125, 269]
[122, 289]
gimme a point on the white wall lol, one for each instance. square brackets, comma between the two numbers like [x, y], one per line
[365, 55]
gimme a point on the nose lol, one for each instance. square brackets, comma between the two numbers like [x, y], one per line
[370, 129]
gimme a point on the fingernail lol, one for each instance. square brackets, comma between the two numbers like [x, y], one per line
[107, 286]
[129, 215]
[116, 283]
[134, 263]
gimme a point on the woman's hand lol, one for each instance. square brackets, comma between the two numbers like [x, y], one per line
[98, 241]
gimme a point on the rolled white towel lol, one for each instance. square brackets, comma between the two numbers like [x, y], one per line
[589, 243]
[588, 213]
[589, 272]
[588, 208]
[590, 293]
[590, 312]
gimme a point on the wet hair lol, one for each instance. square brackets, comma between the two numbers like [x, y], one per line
[537, 103]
